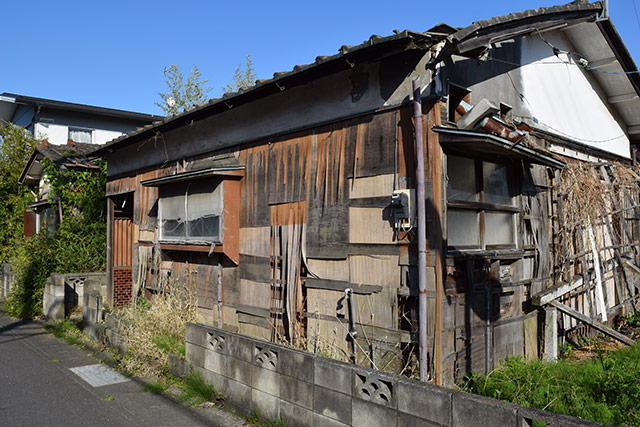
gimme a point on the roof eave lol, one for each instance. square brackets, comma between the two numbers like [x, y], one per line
[372, 49]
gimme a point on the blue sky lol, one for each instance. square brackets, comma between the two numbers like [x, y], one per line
[112, 53]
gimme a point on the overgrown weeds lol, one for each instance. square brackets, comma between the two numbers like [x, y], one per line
[155, 330]
[605, 389]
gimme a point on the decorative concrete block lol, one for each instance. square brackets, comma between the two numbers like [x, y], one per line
[268, 405]
[468, 409]
[426, 401]
[332, 404]
[297, 364]
[295, 415]
[365, 414]
[296, 391]
[375, 387]
[266, 380]
[217, 341]
[215, 362]
[239, 370]
[333, 375]
[266, 356]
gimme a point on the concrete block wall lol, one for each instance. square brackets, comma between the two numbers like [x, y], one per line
[306, 389]
[94, 297]
[7, 280]
[63, 292]
[53, 298]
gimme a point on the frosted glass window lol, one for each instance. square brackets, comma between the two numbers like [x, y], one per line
[498, 228]
[172, 212]
[461, 179]
[204, 210]
[191, 212]
[463, 227]
[80, 135]
[496, 184]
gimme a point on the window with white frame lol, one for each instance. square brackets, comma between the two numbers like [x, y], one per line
[191, 212]
[481, 204]
[80, 135]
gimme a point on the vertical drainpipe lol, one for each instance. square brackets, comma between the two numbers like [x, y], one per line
[422, 232]
[219, 293]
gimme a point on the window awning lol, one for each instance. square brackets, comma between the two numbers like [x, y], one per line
[483, 143]
[230, 172]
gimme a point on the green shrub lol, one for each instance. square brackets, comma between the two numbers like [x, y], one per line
[79, 244]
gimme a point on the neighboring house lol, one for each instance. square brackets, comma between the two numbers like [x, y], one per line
[68, 131]
[46, 211]
[271, 202]
[59, 122]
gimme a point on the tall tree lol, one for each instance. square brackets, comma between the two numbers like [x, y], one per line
[16, 145]
[242, 79]
[182, 95]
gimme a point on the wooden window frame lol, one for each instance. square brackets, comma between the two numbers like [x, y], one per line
[481, 207]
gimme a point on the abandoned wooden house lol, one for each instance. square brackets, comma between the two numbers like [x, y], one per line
[291, 208]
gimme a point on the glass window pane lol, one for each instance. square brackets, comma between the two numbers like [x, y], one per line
[461, 182]
[498, 228]
[172, 212]
[205, 198]
[204, 210]
[205, 228]
[463, 227]
[80, 135]
[496, 184]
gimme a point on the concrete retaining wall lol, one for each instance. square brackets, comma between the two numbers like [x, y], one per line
[306, 389]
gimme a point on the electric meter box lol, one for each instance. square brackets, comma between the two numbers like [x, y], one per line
[404, 208]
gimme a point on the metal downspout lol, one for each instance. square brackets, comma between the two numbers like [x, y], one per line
[422, 231]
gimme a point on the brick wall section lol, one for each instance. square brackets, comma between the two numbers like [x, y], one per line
[306, 389]
[122, 281]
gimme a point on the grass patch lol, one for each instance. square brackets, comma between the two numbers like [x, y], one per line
[605, 389]
[67, 330]
[256, 420]
[170, 343]
[108, 397]
[155, 387]
[196, 391]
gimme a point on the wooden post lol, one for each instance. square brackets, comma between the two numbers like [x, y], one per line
[550, 333]
[110, 218]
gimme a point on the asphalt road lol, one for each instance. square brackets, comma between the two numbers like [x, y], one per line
[37, 388]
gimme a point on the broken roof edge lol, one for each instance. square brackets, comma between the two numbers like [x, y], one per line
[50, 152]
[590, 150]
[419, 40]
[535, 14]
[515, 148]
